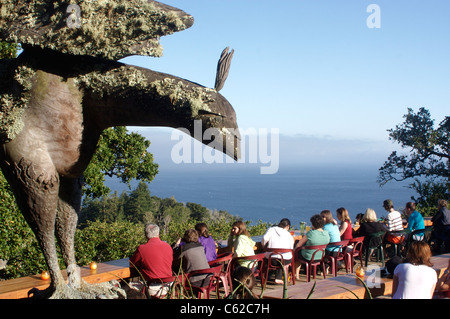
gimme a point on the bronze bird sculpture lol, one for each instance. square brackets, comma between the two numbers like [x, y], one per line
[66, 87]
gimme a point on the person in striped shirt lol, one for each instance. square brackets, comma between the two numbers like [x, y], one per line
[394, 222]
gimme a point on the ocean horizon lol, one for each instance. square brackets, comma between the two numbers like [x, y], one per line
[294, 192]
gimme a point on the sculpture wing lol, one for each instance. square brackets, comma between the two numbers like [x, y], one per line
[112, 29]
[223, 66]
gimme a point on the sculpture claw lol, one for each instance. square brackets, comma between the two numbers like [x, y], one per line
[106, 290]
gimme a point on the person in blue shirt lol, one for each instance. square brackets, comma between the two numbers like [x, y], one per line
[333, 230]
[415, 220]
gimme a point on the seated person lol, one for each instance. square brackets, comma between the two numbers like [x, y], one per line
[441, 227]
[333, 230]
[207, 241]
[279, 237]
[415, 278]
[153, 259]
[394, 222]
[191, 256]
[345, 229]
[240, 243]
[316, 236]
[443, 284]
[415, 220]
[370, 226]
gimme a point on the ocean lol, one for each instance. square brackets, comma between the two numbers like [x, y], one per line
[295, 192]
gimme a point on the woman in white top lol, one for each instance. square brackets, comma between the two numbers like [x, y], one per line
[415, 279]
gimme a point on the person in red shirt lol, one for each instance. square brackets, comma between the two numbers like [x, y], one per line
[153, 259]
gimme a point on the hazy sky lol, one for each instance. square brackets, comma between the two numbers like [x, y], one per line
[317, 69]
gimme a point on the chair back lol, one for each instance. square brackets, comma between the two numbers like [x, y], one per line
[213, 274]
[357, 243]
[213, 271]
[317, 248]
[279, 252]
[255, 265]
[375, 240]
[342, 246]
[224, 260]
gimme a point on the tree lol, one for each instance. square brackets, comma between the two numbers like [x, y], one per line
[198, 211]
[119, 154]
[8, 50]
[139, 204]
[428, 160]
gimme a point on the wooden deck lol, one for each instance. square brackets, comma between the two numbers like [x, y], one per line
[18, 288]
[330, 288]
[335, 287]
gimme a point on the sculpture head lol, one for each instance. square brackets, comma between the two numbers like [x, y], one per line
[111, 29]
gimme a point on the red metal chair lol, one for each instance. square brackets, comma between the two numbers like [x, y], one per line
[256, 265]
[311, 265]
[225, 275]
[341, 255]
[214, 279]
[274, 252]
[356, 251]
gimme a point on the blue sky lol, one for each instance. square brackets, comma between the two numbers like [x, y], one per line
[314, 69]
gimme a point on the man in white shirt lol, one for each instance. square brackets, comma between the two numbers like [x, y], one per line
[279, 237]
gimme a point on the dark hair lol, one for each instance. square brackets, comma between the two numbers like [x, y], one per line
[284, 222]
[202, 229]
[388, 204]
[317, 221]
[328, 216]
[190, 236]
[411, 205]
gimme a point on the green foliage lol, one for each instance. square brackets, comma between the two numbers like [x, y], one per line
[101, 241]
[428, 159]
[429, 194]
[8, 50]
[18, 245]
[105, 233]
[119, 154]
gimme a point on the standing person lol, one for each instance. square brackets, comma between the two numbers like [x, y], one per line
[441, 226]
[240, 242]
[370, 226]
[415, 220]
[191, 256]
[279, 237]
[415, 279]
[207, 241]
[394, 222]
[316, 236]
[153, 259]
[345, 228]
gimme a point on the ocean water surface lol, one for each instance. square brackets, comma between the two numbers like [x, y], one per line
[294, 192]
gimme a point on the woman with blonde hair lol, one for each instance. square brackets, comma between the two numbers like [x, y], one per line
[345, 228]
[415, 279]
[370, 226]
[240, 242]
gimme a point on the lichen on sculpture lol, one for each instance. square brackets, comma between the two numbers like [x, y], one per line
[14, 98]
[110, 29]
[66, 87]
